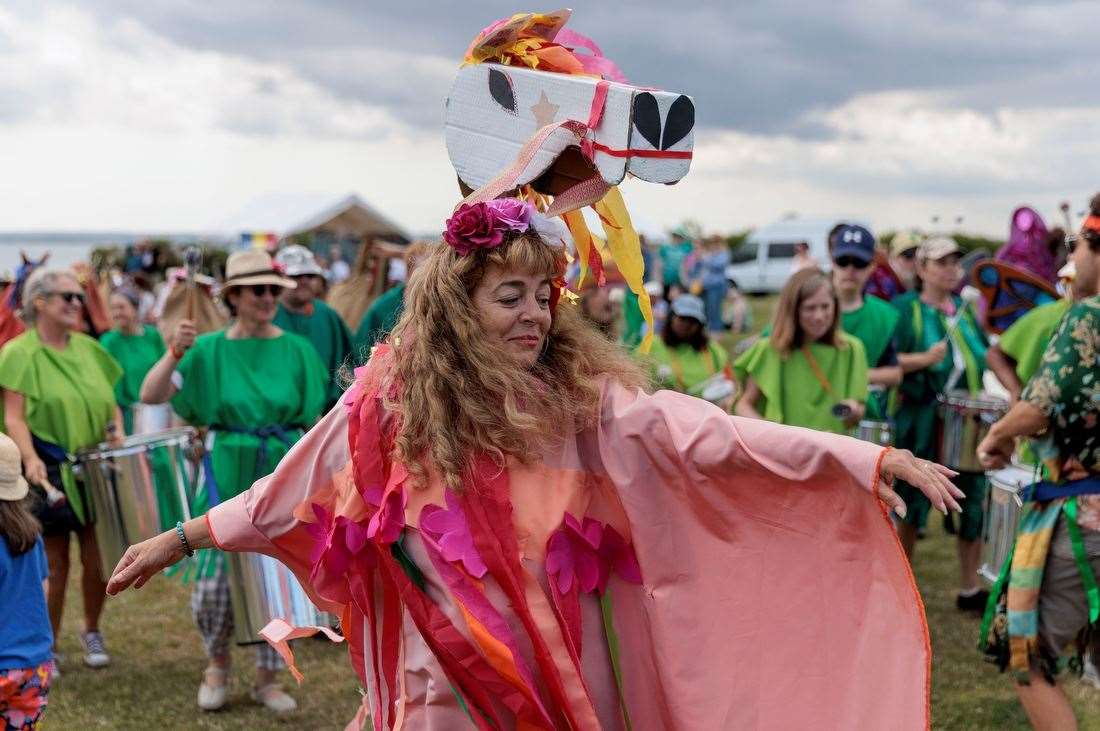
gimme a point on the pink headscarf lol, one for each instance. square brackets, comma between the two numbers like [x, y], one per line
[1027, 245]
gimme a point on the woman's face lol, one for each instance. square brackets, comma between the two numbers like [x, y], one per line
[123, 314]
[255, 303]
[944, 274]
[816, 314]
[514, 309]
[684, 327]
[60, 306]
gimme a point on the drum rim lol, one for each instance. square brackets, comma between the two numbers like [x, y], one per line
[138, 442]
[961, 398]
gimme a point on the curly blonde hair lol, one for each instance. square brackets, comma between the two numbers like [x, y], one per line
[456, 393]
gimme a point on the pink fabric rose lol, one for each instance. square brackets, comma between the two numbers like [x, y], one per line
[447, 527]
[587, 552]
[512, 213]
[473, 226]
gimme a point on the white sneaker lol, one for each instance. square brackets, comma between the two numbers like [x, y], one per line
[55, 669]
[95, 653]
[213, 688]
[1090, 674]
[274, 698]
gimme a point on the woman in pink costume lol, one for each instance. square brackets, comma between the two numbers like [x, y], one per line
[517, 535]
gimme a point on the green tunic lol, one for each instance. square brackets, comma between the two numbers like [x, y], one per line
[874, 323]
[920, 327]
[137, 354]
[329, 335]
[684, 368]
[238, 387]
[1027, 338]
[379, 319]
[792, 393]
[69, 394]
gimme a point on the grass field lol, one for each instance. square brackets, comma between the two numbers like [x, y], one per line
[158, 661]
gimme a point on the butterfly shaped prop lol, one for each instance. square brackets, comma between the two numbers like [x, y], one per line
[1008, 293]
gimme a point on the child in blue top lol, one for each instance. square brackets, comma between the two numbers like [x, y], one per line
[25, 635]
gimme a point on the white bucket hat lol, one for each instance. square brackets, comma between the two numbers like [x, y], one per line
[12, 485]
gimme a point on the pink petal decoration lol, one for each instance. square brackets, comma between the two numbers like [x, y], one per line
[587, 551]
[449, 529]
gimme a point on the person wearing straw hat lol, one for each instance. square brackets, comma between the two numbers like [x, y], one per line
[25, 633]
[257, 388]
[940, 347]
[303, 313]
[58, 390]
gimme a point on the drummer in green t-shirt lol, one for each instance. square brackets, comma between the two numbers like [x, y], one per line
[135, 346]
[866, 317]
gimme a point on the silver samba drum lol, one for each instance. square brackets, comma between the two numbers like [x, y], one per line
[151, 418]
[964, 420]
[1002, 514]
[262, 589]
[136, 490]
[876, 432]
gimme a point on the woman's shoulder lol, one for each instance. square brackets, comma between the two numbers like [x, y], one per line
[22, 344]
[851, 341]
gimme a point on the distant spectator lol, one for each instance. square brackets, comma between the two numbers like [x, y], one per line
[714, 260]
[385, 311]
[803, 259]
[903, 258]
[672, 258]
[339, 270]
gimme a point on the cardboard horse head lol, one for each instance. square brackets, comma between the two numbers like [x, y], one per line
[605, 128]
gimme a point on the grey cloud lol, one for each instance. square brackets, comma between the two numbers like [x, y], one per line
[753, 66]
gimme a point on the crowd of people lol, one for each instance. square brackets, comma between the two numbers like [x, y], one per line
[470, 363]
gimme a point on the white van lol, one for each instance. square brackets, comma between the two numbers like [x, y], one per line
[763, 263]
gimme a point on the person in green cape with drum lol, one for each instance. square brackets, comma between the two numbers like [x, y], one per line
[865, 316]
[806, 371]
[58, 387]
[257, 388]
[941, 348]
[303, 313]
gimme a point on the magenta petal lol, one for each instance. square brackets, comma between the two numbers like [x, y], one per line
[355, 537]
[587, 568]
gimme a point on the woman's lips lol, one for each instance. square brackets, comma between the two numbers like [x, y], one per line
[530, 341]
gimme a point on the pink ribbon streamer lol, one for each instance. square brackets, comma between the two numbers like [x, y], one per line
[279, 633]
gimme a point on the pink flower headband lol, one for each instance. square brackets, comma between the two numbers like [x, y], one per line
[482, 225]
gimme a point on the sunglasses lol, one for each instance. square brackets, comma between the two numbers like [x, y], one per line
[261, 289]
[908, 254]
[73, 298]
[843, 262]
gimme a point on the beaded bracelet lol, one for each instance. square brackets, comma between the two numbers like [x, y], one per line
[183, 539]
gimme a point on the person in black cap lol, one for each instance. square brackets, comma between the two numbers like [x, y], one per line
[868, 318]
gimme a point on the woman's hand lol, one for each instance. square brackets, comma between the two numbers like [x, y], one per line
[34, 470]
[935, 354]
[930, 478]
[995, 451]
[184, 337]
[855, 413]
[145, 560]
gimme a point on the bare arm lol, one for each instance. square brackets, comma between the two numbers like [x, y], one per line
[919, 361]
[15, 424]
[1022, 420]
[145, 560]
[1004, 367]
[746, 405]
[885, 375]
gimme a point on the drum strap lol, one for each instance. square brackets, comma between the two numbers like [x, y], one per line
[678, 369]
[818, 374]
[1087, 577]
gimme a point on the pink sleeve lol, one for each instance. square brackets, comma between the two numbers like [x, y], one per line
[273, 517]
[676, 433]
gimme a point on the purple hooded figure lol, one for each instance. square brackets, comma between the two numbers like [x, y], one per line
[1028, 245]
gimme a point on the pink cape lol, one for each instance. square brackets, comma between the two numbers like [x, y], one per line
[774, 592]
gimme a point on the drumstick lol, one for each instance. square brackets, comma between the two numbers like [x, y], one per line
[192, 259]
[969, 295]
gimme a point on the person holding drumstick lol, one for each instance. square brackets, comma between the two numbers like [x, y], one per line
[257, 388]
[806, 371]
[940, 342]
[58, 386]
[1060, 556]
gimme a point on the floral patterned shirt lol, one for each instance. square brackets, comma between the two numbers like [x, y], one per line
[1066, 388]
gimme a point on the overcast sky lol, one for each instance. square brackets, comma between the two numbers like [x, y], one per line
[190, 115]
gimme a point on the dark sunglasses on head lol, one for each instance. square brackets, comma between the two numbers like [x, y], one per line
[843, 262]
[261, 289]
[73, 298]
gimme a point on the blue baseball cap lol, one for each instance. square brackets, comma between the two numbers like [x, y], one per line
[854, 241]
[688, 305]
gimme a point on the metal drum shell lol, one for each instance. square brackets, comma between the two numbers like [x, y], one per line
[962, 424]
[122, 491]
[261, 589]
[876, 432]
[1002, 515]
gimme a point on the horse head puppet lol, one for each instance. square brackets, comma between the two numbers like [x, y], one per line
[538, 111]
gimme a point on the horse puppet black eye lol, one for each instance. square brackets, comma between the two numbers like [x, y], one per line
[500, 87]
